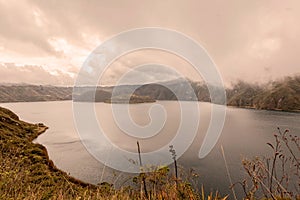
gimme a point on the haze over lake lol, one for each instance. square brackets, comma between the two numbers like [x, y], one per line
[245, 134]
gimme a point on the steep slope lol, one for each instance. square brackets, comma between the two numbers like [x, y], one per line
[279, 95]
[25, 169]
[283, 95]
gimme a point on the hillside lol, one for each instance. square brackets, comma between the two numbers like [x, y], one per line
[178, 89]
[31, 93]
[278, 95]
[25, 168]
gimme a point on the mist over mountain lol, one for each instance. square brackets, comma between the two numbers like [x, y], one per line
[282, 94]
[277, 95]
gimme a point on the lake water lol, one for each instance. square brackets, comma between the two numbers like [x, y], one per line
[245, 134]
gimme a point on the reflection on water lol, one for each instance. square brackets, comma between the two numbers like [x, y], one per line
[245, 134]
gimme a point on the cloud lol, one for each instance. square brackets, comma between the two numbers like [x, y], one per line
[148, 73]
[31, 74]
[149, 66]
[20, 30]
[243, 37]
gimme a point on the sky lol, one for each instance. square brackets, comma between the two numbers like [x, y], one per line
[46, 42]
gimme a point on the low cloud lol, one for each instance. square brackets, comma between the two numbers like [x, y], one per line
[32, 74]
[243, 37]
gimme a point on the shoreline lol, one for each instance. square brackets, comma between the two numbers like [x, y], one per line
[42, 129]
[26, 166]
[230, 106]
[253, 108]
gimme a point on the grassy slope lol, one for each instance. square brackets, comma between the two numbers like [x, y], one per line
[25, 169]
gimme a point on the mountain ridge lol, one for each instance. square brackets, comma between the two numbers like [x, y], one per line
[281, 95]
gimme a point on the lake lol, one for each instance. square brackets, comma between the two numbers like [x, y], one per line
[245, 134]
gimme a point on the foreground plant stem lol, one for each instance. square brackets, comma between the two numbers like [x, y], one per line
[141, 165]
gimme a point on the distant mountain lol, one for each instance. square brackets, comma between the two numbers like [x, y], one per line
[29, 93]
[179, 89]
[278, 95]
[86, 95]
[125, 99]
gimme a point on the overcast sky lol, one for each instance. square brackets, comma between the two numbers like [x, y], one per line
[46, 42]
